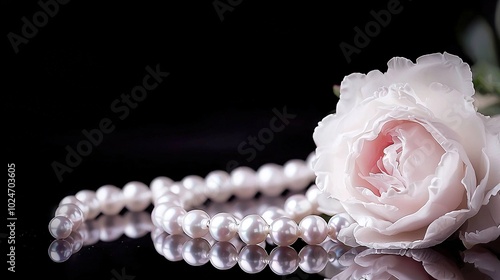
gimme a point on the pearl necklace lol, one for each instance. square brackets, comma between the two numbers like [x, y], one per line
[223, 255]
[175, 205]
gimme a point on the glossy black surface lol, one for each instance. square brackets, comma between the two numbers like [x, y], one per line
[228, 79]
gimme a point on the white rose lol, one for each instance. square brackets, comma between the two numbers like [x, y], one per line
[409, 158]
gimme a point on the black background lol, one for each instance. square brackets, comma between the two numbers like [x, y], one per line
[226, 77]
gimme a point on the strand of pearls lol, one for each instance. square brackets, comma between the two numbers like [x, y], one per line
[175, 205]
[223, 255]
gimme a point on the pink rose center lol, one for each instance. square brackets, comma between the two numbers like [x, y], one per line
[404, 152]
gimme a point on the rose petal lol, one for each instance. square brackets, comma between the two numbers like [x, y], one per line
[446, 193]
[329, 205]
[484, 261]
[485, 225]
[444, 68]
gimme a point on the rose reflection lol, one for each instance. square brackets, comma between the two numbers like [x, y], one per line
[331, 259]
[484, 261]
[398, 264]
[412, 264]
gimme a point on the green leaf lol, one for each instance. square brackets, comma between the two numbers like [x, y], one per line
[336, 90]
[491, 110]
[478, 41]
[486, 78]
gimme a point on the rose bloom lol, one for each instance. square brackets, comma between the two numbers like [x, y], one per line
[409, 158]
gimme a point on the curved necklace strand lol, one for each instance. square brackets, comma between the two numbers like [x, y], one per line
[175, 205]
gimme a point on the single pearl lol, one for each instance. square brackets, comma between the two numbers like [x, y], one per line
[253, 229]
[60, 227]
[195, 223]
[272, 180]
[313, 229]
[158, 185]
[137, 196]
[196, 185]
[272, 213]
[71, 199]
[172, 220]
[223, 255]
[284, 231]
[110, 199]
[338, 222]
[218, 186]
[159, 211]
[89, 198]
[297, 174]
[72, 212]
[172, 246]
[196, 251]
[252, 259]
[283, 260]
[110, 227]
[313, 259]
[60, 250]
[244, 182]
[297, 207]
[223, 227]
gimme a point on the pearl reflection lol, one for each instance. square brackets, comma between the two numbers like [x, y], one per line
[60, 250]
[252, 259]
[105, 228]
[330, 259]
[223, 255]
[283, 260]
